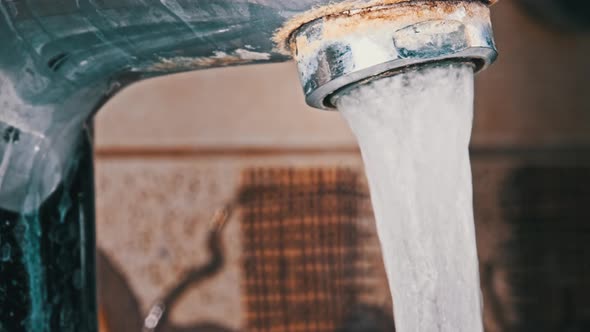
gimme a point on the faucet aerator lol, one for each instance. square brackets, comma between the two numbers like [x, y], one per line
[336, 51]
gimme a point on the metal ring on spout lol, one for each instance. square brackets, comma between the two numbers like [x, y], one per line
[334, 52]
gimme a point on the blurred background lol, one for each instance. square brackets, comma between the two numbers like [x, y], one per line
[224, 199]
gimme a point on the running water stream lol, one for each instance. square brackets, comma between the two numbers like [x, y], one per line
[414, 130]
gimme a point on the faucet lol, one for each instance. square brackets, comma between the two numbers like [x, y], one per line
[60, 61]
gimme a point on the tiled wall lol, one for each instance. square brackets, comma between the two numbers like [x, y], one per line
[170, 152]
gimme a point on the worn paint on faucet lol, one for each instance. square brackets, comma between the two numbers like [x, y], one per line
[218, 59]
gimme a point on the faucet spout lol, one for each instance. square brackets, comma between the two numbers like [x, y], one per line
[339, 50]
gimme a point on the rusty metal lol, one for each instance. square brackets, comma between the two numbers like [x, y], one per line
[336, 51]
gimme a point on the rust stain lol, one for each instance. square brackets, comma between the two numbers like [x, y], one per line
[361, 10]
[177, 63]
[336, 27]
[218, 59]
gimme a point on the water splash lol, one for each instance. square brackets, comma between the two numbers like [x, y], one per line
[414, 131]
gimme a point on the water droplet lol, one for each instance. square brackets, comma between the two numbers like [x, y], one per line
[5, 253]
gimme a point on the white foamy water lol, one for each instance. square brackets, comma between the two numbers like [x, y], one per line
[414, 130]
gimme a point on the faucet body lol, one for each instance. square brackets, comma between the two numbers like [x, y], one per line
[59, 62]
